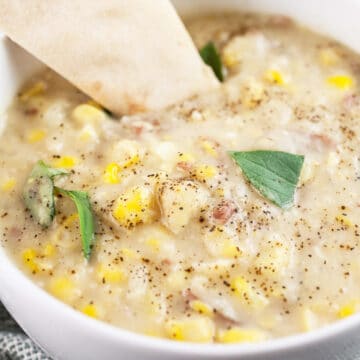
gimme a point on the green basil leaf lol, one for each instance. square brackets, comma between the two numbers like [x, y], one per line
[38, 192]
[86, 218]
[275, 174]
[212, 58]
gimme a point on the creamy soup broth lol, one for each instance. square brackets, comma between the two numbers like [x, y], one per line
[185, 248]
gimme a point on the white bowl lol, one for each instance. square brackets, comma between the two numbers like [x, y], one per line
[69, 335]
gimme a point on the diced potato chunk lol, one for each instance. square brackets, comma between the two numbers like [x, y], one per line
[274, 258]
[328, 57]
[180, 201]
[252, 94]
[220, 243]
[199, 330]
[308, 172]
[127, 153]
[135, 206]
[177, 280]
[241, 47]
[88, 114]
[309, 320]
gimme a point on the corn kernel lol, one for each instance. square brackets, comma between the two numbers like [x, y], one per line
[275, 77]
[349, 309]
[209, 148]
[230, 59]
[328, 57]
[35, 136]
[49, 250]
[111, 175]
[343, 220]
[8, 185]
[131, 161]
[29, 259]
[201, 308]
[242, 289]
[229, 249]
[219, 192]
[128, 253]
[233, 52]
[153, 243]
[62, 288]
[342, 82]
[65, 162]
[134, 206]
[205, 172]
[186, 157]
[110, 274]
[239, 335]
[127, 153]
[199, 330]
[37, 89]
[90, 310]
[308, 319]
[86, 113]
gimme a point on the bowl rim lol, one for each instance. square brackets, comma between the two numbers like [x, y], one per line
[117, 334]
[133, 339]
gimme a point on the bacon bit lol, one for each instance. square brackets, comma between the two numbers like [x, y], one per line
[188, 296]
[138, 130]
[15, 233]
[321, 140]
[351, 101]
[167, 262]
[280, 20]
[31, 111]
[183, 165]
[224, 319]
[224, 211]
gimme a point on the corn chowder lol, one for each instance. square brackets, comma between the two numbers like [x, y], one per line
[186, 244]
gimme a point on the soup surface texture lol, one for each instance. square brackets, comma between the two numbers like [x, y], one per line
[186, 248]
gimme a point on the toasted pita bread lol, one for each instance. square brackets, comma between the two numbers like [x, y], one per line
[129, 55]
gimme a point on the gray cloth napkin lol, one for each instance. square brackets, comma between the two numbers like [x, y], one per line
[14, 344]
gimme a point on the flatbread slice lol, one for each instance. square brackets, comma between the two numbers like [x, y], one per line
[129, 55]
